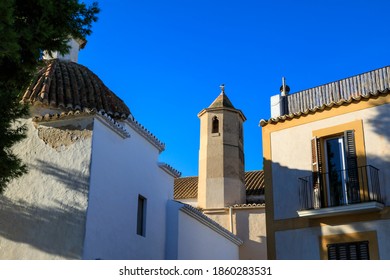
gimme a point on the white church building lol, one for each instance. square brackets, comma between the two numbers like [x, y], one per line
[95, 188]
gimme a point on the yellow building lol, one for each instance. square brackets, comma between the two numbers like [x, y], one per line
[326, 164]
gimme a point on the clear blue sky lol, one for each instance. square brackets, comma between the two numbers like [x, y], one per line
[166, 59]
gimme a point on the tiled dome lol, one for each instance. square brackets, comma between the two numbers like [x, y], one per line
[67, 85]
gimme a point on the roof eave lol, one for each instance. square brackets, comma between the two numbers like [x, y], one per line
[319, 109]
[208, 110]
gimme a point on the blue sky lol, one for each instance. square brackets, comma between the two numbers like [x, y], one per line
[166, 59]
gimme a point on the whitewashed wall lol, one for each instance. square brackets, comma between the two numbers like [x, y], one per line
[189, 239]
[199, 242]
[190, 201]
[250, 228]
[249, 225]
[42, 214]
[122, 169]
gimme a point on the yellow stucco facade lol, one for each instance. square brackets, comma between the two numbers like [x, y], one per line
[284, 164]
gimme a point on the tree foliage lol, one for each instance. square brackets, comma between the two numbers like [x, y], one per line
[27, 27]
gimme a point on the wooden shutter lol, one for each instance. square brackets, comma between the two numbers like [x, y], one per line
[316, 159]
[351, 166]
[314, 154]
[349, 251]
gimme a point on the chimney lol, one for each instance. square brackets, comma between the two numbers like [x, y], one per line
[75, 45]
[284, 91]
[279, 102]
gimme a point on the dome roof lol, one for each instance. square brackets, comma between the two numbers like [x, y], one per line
[66, 85]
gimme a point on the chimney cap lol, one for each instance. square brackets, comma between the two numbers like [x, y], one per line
[287, 88]
[284, 89]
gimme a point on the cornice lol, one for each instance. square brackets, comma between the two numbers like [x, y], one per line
[145, 133]
[169, 169]
[199, 216]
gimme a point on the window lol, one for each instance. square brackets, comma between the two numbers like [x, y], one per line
[349, 251]
[215, 125]
[141, 216]
[353, 245]
[335, 170]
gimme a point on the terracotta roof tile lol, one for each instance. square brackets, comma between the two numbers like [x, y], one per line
[146, 133]
[187, 187]
[322, 108]
[254, 182]
[68, 86]
[174, 172]
[249, 205]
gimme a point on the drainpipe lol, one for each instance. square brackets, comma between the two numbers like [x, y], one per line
[231, 218]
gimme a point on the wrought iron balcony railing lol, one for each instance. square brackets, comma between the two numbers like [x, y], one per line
[341, 187]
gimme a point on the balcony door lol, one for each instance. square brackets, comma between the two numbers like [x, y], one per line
[342, 174]
[336, 177]
[335, 170]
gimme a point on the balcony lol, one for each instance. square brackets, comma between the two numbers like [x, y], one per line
[340, 192]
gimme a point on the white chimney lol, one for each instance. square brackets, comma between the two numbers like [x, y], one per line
[279, 102]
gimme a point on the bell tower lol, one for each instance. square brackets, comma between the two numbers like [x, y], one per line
[221, 155]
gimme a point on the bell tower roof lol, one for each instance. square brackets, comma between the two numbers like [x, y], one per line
[222, 101]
